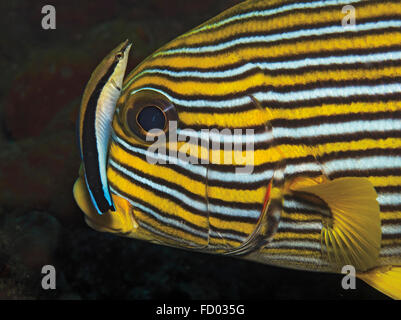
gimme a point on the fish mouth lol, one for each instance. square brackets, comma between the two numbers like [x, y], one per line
[121, 221]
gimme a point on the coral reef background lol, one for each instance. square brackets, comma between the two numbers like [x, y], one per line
[43, 76]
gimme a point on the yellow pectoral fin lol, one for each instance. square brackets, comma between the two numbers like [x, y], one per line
[385, 279]
[352, 234]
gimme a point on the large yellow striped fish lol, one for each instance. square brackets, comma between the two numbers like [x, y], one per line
[317, 103]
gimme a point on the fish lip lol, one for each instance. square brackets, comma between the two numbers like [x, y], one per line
[134, 221]
[103, 228]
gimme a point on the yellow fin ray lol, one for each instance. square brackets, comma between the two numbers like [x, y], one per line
[352, 234]
[384, 279]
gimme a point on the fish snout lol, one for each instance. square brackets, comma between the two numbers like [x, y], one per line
[120, 221]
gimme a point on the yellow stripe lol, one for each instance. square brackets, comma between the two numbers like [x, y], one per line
[390, 215]
[297, 236]
[243, 227]
[237, 195]
[250, 118]
[257, 118]
[300, 217]
[221, 241]
[364, 144]
[334, 109]
[386, 181]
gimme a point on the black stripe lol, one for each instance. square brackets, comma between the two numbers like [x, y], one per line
[391, 236]
[236, 204]
[355, 154]
[312, 141]
[300, 231]
[366, 173]
[390, 207]
[389, 189]
[89, 147]
[396, 222]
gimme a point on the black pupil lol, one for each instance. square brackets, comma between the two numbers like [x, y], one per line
[151, 118]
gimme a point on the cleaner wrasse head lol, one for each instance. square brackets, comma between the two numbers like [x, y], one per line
[95, 116]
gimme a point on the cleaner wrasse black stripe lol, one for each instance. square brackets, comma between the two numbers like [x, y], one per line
[96, 113]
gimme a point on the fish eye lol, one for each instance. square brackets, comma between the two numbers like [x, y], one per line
[148, 113]
[120, 55]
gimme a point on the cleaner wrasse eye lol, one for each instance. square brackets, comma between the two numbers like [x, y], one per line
[318, 105]
[96, 113]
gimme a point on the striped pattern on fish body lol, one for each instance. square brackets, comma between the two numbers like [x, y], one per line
[324, 102]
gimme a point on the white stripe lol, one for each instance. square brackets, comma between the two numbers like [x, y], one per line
[347, 127]
[282, 36]
[269, 12]
[363, 163]
[389, 199]
[391, 229]
[293, 96]
[302, 167]
[330, 92]
[386, 251]
[220, 137]
[234, 213]
[300, 244]
[300, 226]
[286, 65]
[240, 177]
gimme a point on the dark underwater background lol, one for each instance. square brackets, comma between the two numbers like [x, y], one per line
[43, 74]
